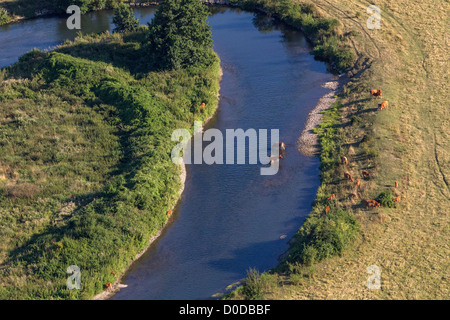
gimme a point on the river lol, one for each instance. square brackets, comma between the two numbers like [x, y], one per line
[230, 218]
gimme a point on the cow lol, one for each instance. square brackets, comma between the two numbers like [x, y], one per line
[358, 182]
[376, 92]
[396, 184]
[348, 176]
[113, 273]
[365, 174]
[344, 160]
[169, 213]
[327, 209]
[108, 285]
[202, 105]
[282, 149]
[331, 197]
[372, 204]
[383, 105]
[397, 199]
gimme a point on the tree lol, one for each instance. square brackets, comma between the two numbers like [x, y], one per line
[4, 17]
[124, 19]
[179, 35]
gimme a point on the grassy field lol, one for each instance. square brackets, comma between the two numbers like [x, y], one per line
[86, 176]
[408, 142]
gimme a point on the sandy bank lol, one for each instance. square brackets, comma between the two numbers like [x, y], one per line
[308, 143]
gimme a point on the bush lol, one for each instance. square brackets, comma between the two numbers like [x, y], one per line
[22, 190]
[386, 199]
[179, 35]
[124, 19]
[367, 145]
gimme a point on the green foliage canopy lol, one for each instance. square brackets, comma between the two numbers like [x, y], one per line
[179, 35]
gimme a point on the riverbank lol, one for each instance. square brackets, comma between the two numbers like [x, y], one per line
[308, 143]
[405, 150]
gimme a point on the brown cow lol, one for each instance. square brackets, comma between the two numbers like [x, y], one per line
[169, 213]
[113, 273]
[376, 92]
[202, 105]
[327, 209]
[348, 176]
[358, 182]
[372, 203]
[344, 160]
[397, 199]
[331, 197]
[396, 184]
[383, 105]
[108, 285]
[365, 174]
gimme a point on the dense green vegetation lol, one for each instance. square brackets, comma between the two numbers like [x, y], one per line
[330, 44]
[124, 19]
[86, 176]
[322, 235]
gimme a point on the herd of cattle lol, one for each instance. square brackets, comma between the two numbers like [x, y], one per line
[365, 174]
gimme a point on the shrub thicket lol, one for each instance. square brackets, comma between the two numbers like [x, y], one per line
[386, 199]
[179, 35]
[124, 19]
